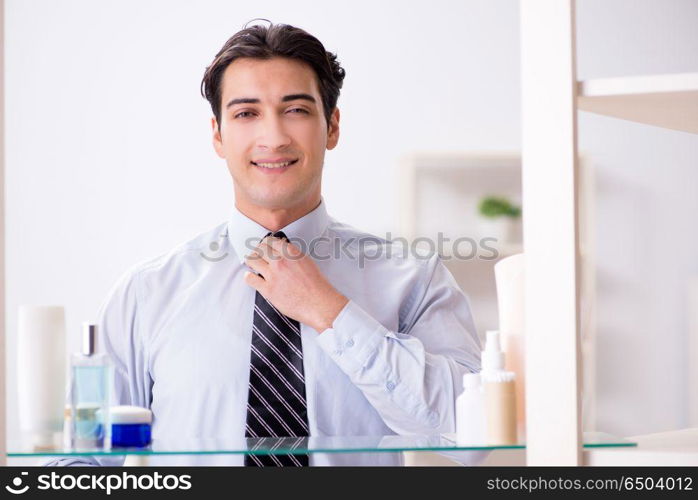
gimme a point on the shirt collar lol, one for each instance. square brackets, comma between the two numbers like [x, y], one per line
[244, 233]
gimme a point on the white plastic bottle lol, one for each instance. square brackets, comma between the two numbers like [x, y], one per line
[40, 373]
[499, 389]
[470, 412]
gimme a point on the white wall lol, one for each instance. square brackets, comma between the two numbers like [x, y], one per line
[109, 159]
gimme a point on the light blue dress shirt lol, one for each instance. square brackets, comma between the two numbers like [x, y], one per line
[178, 330]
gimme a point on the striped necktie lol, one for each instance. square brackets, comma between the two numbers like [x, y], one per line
[276, 405]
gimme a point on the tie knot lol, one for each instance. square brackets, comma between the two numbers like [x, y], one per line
[277, 234]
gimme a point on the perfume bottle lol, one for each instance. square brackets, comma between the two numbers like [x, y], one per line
[90, 385]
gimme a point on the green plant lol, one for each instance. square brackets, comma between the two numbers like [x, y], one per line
[496, 206]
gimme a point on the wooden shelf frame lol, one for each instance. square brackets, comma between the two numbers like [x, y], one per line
[667, 101]
[551, 236]
[551, 97]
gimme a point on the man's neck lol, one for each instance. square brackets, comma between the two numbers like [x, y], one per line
[274, 219]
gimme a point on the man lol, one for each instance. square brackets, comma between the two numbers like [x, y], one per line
[261, 327]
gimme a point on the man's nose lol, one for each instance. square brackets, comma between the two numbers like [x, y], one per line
[273, 134]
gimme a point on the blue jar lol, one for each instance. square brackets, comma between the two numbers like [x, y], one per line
[130, 426]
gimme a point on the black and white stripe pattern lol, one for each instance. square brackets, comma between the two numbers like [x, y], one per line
[269, 445]
[276, 405]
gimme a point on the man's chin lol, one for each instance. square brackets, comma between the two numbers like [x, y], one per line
[277, 200]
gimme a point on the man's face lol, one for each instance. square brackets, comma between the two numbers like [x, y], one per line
[273, 133]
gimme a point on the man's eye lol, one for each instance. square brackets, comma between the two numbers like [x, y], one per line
[243, 114]
[298, 110]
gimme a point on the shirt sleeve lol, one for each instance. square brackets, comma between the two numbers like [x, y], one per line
[411, 377]
[120, 337]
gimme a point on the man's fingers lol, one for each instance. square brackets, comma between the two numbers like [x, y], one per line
[256, 282]
[258, 253]
[255, 262]
[268, 250]
[283, 247]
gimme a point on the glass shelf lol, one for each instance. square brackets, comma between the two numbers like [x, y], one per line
[313, 444]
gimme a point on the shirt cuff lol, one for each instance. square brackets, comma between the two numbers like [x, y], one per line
[353, 337]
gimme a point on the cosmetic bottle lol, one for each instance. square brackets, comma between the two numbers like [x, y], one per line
[130, 426]
[90, 383]
[470, 412]
[41, 369]
[500, 394]
[500, 406]
[509, 278]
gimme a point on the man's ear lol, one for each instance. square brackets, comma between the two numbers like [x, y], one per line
[217, 141]
[333, 130]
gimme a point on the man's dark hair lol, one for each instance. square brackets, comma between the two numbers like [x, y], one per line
[275, 40]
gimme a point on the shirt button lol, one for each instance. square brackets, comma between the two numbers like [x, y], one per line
[338, 352]
[349, 343]
[390, 386]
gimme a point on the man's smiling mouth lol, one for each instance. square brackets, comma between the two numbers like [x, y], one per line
[274, 165]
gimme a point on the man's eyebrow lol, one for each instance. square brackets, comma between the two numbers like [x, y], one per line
[242, 100]
[294, 97]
